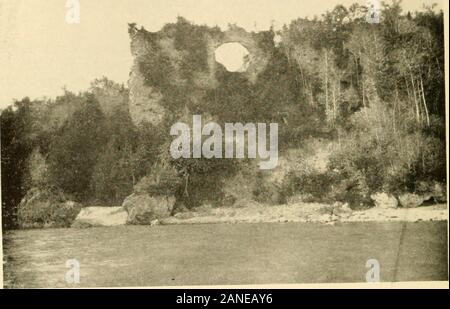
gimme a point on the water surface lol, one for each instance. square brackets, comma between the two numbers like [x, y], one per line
[260, 253]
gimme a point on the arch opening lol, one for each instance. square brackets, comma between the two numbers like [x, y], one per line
[233, 56]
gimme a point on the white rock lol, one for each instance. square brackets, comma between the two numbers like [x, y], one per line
[155, 222]
[101, 216]
[342, 210]
[383, 200]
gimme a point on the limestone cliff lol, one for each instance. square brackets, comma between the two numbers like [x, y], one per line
[180, 59]
[175, 75]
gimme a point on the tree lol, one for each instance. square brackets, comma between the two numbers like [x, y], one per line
[112, 97]
[116, 170]
[75, 150]
[16, 146]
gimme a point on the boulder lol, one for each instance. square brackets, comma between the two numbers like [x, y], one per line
[46, 207]
[143, 209]
[411, 200]
[439, 193]
[384, 200]
[341, 210]
[100, 216]
[67, 212]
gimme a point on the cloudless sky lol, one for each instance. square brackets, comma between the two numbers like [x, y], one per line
[40, 53]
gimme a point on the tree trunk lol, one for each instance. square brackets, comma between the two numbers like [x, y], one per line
[415, 98]
[334, 101]
[395, 107]
[326, 81]
[424, 102]
[364, 99]
[339, 95]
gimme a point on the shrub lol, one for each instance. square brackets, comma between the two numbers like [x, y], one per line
[202, 180]
[47, 207]
[239, 188]
[163, 180]
[375, 156]
[268, 192]
[308, 182]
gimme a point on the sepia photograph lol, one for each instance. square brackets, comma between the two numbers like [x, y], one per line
[224, 143]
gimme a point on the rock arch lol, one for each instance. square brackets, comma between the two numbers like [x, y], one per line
[144, 103]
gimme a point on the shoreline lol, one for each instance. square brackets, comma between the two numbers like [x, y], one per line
[306, 213]
[286, 213]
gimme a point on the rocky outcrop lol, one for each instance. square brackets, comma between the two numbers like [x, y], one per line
[143, 209]
[412, 200]
[429, 193]
[439, 193]
[384, 200]
[167, 56]
[100, 216]
[144, 101]
[42, 208]
[342, 210]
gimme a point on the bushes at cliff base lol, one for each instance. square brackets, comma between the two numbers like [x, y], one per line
[46, 208]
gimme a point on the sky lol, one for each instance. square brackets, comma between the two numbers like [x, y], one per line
[40, 53]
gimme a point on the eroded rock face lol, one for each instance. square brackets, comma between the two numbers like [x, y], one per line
[145, 209]
[439, 193]
[411, 200]
[384, 200]
[168, 62]
[175, 75]
[144, 101]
